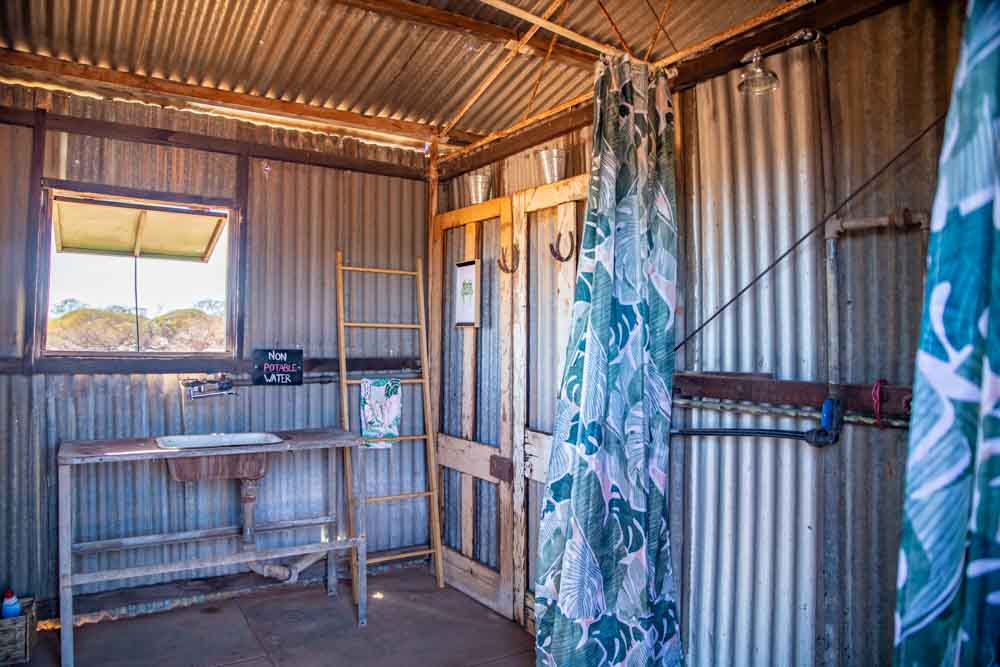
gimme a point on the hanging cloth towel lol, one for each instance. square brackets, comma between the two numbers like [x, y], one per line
[381, 409]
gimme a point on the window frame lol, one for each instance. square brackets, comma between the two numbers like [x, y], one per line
[124, 361]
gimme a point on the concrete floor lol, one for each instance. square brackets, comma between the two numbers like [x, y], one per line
[410, 622]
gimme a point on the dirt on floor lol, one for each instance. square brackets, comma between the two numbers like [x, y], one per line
[410, 623]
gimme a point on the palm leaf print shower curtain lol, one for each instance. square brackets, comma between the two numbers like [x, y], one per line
[948, 602]
[605, 592]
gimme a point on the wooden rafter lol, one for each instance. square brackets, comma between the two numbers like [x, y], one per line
[771, 15]
[713, 56]
[614, 27]
[659, 27]
[543, 65]
[552, 27]
[72, 72]
[495, 72]
[488, 32]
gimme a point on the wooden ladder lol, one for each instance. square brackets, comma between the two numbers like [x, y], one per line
[431, 493]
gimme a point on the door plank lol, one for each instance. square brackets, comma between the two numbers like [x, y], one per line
[466, 456]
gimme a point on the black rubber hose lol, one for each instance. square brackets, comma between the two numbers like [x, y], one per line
[740, 432]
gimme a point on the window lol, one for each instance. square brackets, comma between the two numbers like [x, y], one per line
[130, 276]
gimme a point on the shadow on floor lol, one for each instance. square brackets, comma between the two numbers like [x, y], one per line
[410, 622]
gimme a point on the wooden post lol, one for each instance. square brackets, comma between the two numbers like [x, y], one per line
[519, 334]
[430, 442]
[505, 529]
[360, 502]
[331, 510]
[66, 565]
[435, 277]
[33, 319]
[345, 418]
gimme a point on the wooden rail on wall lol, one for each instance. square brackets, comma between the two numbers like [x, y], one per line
[161, 137]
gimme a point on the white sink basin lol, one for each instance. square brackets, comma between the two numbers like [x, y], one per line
[216, 440]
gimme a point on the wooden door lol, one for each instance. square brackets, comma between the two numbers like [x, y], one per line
[520, 450]
[486, 466]
[547, 225]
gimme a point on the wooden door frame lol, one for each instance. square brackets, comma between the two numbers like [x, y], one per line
[503, 590]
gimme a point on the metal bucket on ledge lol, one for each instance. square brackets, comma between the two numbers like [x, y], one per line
[553, 161]
[480, 184]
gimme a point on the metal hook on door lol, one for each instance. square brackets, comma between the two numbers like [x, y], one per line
[514, 258]
[554, 248]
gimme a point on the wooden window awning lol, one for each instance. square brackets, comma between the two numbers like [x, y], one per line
[130, 228]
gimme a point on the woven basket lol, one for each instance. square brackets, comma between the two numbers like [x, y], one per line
[18, 634]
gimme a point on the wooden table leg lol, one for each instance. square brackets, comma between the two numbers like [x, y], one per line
[66, 564]
[331, 510]
[361, 505]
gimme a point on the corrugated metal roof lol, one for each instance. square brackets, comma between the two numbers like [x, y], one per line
[324, 53]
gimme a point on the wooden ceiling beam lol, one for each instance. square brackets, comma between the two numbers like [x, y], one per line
[716, 55]
[572, 36]
[495, 72]
[571, 115]
[488, 32]
[62, 70]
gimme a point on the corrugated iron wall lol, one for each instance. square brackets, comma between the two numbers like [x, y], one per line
[791, 553]
[890, 76]
[753, 505]
[377, 221]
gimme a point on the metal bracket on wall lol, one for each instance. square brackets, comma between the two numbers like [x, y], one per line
[502, 468]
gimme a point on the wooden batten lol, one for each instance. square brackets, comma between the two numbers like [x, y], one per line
[481, 30]
[466, 456]
[533, 131]
[519, 351]
[713, 56]
[486, 210]
[543, 22]
[66, 71]
[557, 194]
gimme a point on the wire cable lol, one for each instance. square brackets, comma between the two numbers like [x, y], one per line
[813, 230]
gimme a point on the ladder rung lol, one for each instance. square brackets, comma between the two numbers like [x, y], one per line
[400, 496]
[368, 269]
[381, 325]
[400, 556]
[398, 438]
[401, 381]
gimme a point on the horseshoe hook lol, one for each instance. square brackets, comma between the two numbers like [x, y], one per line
[557, 254]
[502, 262]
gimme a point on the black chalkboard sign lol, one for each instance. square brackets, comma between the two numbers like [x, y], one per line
[277, 367]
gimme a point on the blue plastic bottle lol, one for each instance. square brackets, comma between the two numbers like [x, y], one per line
[11, 605]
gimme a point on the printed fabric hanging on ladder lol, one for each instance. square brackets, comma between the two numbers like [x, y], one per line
[948, 602]
[605, 592]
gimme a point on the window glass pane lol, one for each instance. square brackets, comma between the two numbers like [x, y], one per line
[182, 304]
[91, 303]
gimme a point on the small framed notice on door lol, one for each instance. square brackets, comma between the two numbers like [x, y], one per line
[467, 294]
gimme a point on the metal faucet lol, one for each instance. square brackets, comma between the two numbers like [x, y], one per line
[196, 388]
